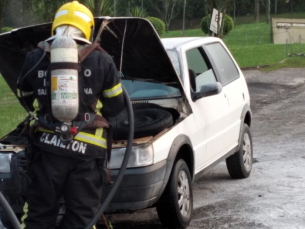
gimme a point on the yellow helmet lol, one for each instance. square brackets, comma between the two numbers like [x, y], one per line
[77, 15]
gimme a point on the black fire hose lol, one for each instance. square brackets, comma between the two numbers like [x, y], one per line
[9, 210]
[123, 165]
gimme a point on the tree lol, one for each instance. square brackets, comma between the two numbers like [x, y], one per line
[2, 2]
[166, 10]
[97, 7]
[194, 9]
[138, 12]
[126, 6]
[100, 7]
[268, 11]
[256, 11]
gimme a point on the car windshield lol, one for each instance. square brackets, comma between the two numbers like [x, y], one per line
[138, 90]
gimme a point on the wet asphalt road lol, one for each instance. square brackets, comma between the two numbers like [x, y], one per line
[274, 194]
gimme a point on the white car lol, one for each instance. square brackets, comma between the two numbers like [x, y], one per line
[192, 110]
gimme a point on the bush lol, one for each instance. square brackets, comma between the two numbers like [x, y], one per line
[205, 24]
[6, 29]
[158, 24]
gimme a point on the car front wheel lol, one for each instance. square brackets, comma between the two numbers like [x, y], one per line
[175, 207]
[240, 164]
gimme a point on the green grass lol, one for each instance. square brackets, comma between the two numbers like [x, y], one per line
[250, 45]
[257, 55]
[249, 34]
[11, 112]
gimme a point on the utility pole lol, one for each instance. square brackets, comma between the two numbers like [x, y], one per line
[234, 9]
[129, 9]
[256, 11]
[183, 23]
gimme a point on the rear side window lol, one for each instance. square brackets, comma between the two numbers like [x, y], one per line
[224, 63]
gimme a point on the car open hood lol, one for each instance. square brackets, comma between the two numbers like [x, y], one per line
[143, 58]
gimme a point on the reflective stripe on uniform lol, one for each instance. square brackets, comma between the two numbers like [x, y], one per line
[116, 90]
[44, 130]
[25, 211]
[36, 108]
[32, 122]
[24, 93]
[94, 139]
[98, 107]
[99, 132]
[36, 105]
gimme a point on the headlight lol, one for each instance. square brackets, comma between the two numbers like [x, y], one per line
[139, 157]
[5, 162]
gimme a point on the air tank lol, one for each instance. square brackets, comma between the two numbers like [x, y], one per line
[64, 82]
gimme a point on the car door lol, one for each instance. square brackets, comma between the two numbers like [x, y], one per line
[233, 87]
[210, 112]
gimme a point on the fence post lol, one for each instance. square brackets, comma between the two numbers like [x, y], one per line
[286, 47]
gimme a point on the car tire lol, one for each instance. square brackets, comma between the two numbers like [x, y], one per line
[175, 207]
[239, 164]
[146, 122]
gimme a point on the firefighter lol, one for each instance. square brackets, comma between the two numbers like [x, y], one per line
[67, 156]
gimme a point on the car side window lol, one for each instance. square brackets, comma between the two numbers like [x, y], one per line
[199, 71]
[224, 63]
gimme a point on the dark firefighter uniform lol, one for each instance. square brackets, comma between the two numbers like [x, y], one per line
[70, 170]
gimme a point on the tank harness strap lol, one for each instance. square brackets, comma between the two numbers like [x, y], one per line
[65, 65]
[82, 54]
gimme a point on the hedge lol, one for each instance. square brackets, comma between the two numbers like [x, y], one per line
[158, 24]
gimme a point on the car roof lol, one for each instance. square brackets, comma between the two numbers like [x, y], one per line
[173, 43]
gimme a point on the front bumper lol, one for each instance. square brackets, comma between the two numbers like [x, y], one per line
[140, 188]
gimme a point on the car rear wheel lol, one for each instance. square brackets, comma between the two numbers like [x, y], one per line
[175, 207]
[240, 164]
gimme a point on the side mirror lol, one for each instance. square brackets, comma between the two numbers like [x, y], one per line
[207, 90]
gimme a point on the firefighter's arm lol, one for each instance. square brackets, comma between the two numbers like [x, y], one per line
[112, 94]
[24, 91]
